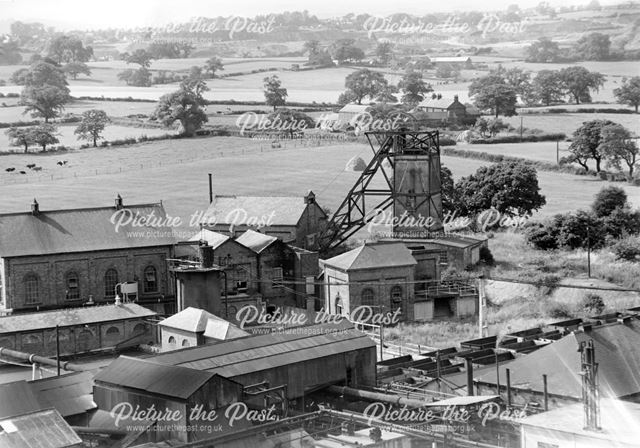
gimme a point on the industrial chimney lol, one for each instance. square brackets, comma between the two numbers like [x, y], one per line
[205, 254]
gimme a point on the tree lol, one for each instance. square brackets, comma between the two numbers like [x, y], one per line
[19, 77]
[312, 46]
[509, 187]
[447, 71]
[586, 143]
[579, 82]
[448, 190]
[384, 52]
[195, 81]
[213, 65]
[593, 47]
[138, 78]
[65, 49]
[548, 87]
[290, 120]
[618, 147]
[496, 125]
[184, 105]
[20, 137]
[93, 123]
[493, 92]
[543, 50]
[76, 68]
[519, 79]
[44, 134]
[45, 91]
[140, 57]
[607, 200]
[344, 50]
[365, 83]
[482, 127]
[629, 92]
[275, 95]
[10, 53]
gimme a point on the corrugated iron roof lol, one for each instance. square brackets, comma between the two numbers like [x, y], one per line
[70, 394]
[72, 316]
[213, 239]
[18, 398]
[42, 429]
[238, 210]
[450, 59]
[261, 352]
[617, 352]
[81, 230]
[256, 241]
[152, 377]
[370, 256]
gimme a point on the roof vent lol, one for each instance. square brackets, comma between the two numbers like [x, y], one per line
[35, 207]
[118, 202]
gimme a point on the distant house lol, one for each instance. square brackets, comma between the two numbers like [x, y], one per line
[192, 327]
[350, 112]
[461, 61]
[445, 109]
[292, 219]
[64, 258]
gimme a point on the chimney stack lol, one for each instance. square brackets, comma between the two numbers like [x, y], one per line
[118, 202]
[35, 208]
[310, 198]
[455, 98]
[205, 255]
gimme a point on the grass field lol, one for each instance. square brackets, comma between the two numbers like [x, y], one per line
[567, 122]
[181, 180]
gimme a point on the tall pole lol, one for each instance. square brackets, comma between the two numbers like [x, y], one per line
[210, 189]
[481, 304]
[521, 119]
[557, 152]
[58, 348]
[381, 343]
[588, 251]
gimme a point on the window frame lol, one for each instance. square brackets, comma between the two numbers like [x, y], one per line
[31, 283]
[110, 292]
[145, 282]
[67, 279]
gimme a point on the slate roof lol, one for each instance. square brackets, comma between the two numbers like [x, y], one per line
[618, 420]
[371, 256]
[70, 394]
[79, 230]
[213, 239]
[450, 59]
[262, 352]
[72, 316]
[152, 377]
[285, 210]
[256, 241]
[196, 320]
[42, 429]
[617, 352]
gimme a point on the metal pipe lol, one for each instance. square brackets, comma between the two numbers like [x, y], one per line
[58, 348]
[508, 387]
[546, 394]
[387, 398]
[469, 369]
[36, 359]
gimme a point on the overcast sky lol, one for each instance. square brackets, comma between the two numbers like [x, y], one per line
[87, 14]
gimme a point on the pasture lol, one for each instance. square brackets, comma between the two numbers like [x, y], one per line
[176, 172]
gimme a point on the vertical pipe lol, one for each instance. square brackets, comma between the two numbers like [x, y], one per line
[546, 394]
[381, 343]
[497, 372]
[210, 189]
[469, 368]
[58, 348]
[508, 387]
[438, 364]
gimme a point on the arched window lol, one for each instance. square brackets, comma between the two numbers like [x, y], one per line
[396, 294]
[110, 282]
[172, 340]
[150, 280]
[31, 289]
[338, 305]
[367, 297]
[73, 286]
[185, 343]
[113, 331]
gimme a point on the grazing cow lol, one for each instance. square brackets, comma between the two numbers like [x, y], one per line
[64, 162]
[9, 170]
[31, 165]
[60, 162]
[22, 172]
[37, 168]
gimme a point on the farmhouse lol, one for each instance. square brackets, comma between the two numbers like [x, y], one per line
[294, 220]
[444, 109]
[66, 258]
[460, 61]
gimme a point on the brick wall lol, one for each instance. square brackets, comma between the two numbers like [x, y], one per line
[52, 270]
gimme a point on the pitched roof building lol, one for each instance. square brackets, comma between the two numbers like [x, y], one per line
[64, 258]
[292, 219]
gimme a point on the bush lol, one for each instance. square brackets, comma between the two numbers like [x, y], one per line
[627, 249]
[447, 141]
[542, 235]
[593, 304]
[486, 256]
[545, 137]
[560, 311]
[608, 199]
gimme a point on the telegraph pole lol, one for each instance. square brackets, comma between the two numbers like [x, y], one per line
[482, 302]
[588, 252]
